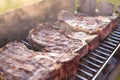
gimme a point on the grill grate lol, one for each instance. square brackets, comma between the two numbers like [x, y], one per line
[93, 63]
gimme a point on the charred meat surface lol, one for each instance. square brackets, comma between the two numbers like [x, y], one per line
[19, 63]
[92, 25]
[53, 40]
[92, 40]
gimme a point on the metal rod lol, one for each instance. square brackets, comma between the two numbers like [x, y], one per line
[105, 63]
[105, 49]
[96, 65]
[118, 29]
[88, 67]
[26, 43]
[104, 58]
[116, 35]
[101, 52]
[81, 77]
[112, 40]
[105, 45]
[85, 72]
[116, 32]
[110, 43]
[101, 62]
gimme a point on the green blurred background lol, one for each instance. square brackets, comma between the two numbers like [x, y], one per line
[118, 77]
[115, 2]
[6, 5]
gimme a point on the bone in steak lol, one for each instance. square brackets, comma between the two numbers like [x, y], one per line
[52, 40]
[92, 40]
[19, 63]
[115, 20]
[93, 25]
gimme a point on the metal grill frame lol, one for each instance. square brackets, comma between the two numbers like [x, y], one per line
[110, 45]
[105, 51]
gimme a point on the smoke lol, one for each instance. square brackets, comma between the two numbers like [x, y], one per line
[15, 25]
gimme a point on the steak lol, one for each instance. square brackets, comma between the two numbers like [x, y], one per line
[92, 25]
[60, 72]
[19, 63]
[92, 40]
[115, 20]
[53, 40]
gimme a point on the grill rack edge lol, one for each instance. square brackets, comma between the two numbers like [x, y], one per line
[98, 58]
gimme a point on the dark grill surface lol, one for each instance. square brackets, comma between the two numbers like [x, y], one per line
[92, 64]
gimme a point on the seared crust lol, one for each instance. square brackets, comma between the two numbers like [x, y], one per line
[92, 40]
[115, 21]
[91, 25]
[73, 49]
[19, 63]
[52, 40]
[62, 45]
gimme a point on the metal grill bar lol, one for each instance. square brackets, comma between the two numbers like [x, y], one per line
[26, 43]
[85, 72]
[88, 67]
[118, 29]
[105, 45]
[96, 65]
[116, 35]
[81, 77]
[104, 58]
[92, 58]
[110, 43]
[101, 52]
[93, 63]
[116, 32]
[112, 40]
[105, 63]
[105, 49]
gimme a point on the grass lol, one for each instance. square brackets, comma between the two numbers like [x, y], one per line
[118, 77]
[6, 5]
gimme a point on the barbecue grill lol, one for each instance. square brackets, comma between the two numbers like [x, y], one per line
[92, 64]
